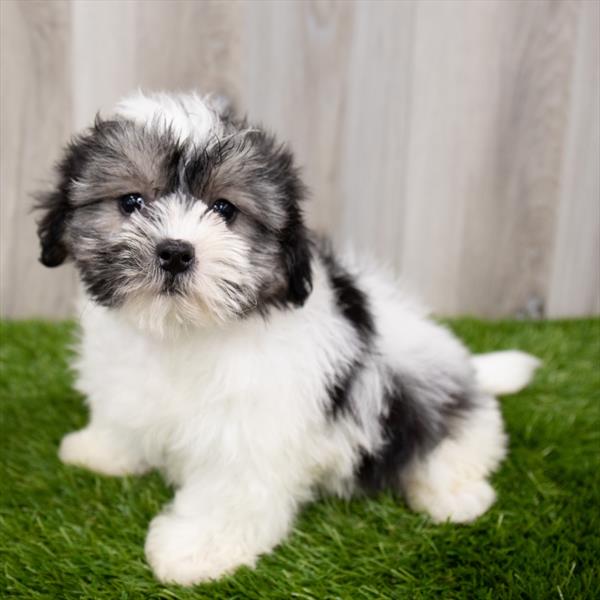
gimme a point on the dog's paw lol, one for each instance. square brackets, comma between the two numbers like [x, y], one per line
[91, 449]
[180, 550]
[461, 503]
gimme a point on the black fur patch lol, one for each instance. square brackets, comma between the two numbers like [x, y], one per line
[353, 305]
[99, 157]
[351, 300]
[104, 276]
[51, 230]
[276, 166]
[56, 204]
[340, 390]
[410, 428]
[297, 258]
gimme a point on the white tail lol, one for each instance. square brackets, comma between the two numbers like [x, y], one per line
[505, 372]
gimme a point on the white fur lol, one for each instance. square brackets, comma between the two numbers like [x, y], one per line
[451, 483]
[232, 416]
[504, 372]
[187, 116]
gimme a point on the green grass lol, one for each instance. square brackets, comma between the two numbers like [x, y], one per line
[66, 533]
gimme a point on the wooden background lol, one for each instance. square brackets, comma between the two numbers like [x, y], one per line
[458, 141]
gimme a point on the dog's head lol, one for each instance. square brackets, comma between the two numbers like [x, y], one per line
[174, 210]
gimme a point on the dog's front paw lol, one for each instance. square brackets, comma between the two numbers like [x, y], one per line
[186, 550]
[93, 450]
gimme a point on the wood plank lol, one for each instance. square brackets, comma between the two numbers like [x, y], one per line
[490, 97]
[574, 288]
[330, 78]
[35, 120]
[294, 69]
[103, 56]
[376, 130]
[182, 45]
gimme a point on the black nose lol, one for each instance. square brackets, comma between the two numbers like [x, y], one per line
[175, 256]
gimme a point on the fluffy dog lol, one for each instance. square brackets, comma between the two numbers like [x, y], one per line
[227, 346]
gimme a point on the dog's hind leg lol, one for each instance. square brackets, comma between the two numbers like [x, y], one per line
[450, 483]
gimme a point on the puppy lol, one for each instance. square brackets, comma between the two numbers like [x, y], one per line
[225, 345]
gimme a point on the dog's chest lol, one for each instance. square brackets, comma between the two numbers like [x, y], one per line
[205, 400]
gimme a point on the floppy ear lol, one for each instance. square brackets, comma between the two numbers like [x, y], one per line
[296, 244]
[298, 258]
[56, 204]
[51, 228]
[294, 240]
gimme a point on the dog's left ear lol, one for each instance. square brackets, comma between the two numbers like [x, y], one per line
[297, 246]
[295, 243]
[298, 258]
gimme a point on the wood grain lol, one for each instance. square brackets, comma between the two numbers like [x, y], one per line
[103, 58]
[294, 71]
[574, 286]
[456, 141]
[35, 119]
[182, 45]
[485, 152]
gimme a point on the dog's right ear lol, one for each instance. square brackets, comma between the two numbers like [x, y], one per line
[51, 228]
[56, 204]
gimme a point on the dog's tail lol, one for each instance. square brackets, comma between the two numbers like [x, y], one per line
[505, 372]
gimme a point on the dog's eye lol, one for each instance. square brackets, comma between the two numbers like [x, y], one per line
[225, 209]
[131, 202]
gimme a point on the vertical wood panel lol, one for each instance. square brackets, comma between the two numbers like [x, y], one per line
[183, 45]
[575, 281]
[35, 118]
[509, 228]
[104, 56]
[176, 45]
[376, 130]
[342, 101]
[486, 136]
[294, 70]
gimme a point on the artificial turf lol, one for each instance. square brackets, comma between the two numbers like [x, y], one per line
[66, 533]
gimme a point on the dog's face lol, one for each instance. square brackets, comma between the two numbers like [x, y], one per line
[175, 212]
